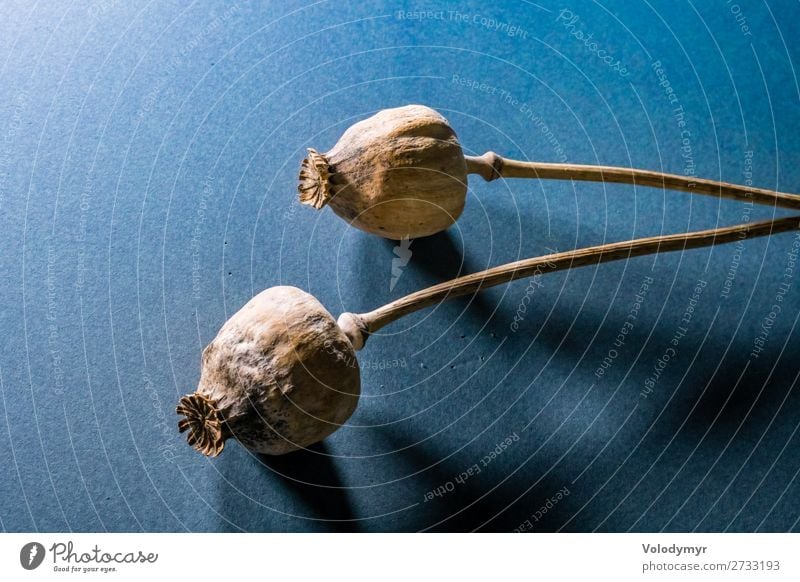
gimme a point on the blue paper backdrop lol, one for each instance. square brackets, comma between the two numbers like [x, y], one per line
[148, 162]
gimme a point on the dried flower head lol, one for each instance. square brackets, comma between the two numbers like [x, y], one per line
[277, 377]
[398, 174]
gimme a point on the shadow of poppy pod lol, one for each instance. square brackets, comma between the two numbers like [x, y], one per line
[398, 174]
[280, 375]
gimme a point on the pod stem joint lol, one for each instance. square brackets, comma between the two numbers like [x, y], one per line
[489, 166]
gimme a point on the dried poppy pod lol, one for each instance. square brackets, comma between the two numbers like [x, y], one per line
[279, 376]
[282, 374]
[402, 174]
[398, 174]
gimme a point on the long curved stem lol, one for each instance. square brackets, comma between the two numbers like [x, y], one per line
[490, 166]
[359, 326]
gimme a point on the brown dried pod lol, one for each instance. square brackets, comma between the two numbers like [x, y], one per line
[402, 174]
[282, 374]
[398, 174]
[279, 376]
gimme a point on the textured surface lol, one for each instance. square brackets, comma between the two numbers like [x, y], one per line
[399, 174]
[282, 374]
[148, 166]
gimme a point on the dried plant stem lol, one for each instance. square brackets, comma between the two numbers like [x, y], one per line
[362, 325]
[490, 166]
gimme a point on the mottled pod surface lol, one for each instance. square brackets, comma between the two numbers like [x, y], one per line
[280, 375]
[399, 174]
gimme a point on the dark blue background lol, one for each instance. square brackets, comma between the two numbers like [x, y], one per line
[148, 161]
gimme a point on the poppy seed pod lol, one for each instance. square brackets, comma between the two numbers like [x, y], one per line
[402, 174]
[398, 174]
[280, 376]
